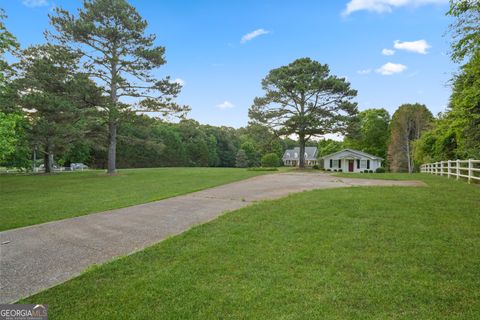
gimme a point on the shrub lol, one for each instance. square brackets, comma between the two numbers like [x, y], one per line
[380, 170]
[261, 169]
[365, 171]
[370, 171]
[270, 160]
[335, 170]
[340, 170]
[329, 169]
[316, 167]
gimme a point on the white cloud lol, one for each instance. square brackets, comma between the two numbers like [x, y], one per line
[225, 105]
[253, 34]
[365, 71]
[382, 6]
[391, 68]
[35, 3]
[419, 46]
[388, 52]
[179, 81]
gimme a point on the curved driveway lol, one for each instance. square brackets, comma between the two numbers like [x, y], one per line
[38, 257]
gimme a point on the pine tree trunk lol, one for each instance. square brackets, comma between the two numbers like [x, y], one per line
[112, 147]
[48, 160]
[112, 125]
[301, 140]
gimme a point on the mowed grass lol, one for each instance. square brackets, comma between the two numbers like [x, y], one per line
[31, 199]
[352, 253]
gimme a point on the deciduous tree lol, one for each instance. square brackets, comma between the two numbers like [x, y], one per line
[465, 29]
[373, 132]
[408, 123]
[241, 160]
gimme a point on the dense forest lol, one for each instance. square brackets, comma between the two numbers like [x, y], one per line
[57, 105]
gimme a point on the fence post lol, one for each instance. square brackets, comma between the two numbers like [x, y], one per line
[441, 168]
[448, 169]
[458, 169]
[470, 171]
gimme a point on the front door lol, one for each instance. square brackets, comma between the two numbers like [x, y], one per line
[350, 165]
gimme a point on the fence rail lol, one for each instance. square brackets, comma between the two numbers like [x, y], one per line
[454, 168]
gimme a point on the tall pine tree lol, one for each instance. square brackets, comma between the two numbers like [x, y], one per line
[110, 34]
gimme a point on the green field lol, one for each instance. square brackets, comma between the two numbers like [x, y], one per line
[33, 199]
[353, 253]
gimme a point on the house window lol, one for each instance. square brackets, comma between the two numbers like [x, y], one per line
[358, 164]
[331, 163]
[368, 164]
[335, 164]
[363, 164]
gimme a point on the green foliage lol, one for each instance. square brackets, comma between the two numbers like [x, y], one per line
[456, 133]
[8, 43]
[242, 159]
[263, 139]
[59, 99]
[328, 146]
[117, 52]
[302, 98]
[9, 132]
[252, 153]
[380, 170]
[270, 160]
[316, 167]
[262, 169]
[373, 132]
[464, 29]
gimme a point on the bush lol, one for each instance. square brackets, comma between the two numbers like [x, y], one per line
[270, 160]
[380, 170]
[370, 171]
[365, 171]
[261, 169]
[340, 170]
[329, 169]
[316, 167]
[335, 170]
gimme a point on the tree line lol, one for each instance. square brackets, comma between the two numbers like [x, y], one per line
[84, 95]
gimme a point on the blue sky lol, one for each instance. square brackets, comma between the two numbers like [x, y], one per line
[222, 73]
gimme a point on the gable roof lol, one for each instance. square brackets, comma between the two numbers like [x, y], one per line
[293, 154]
[354, 152]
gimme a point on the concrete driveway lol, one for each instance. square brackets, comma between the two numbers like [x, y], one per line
[38, 257]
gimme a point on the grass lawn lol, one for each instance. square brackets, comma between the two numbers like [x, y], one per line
[33, 199]
[353, 253]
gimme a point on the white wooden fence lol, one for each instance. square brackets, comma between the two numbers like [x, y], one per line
[454, 168]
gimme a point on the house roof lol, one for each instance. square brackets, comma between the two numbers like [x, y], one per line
[354, 153]
[293, 154]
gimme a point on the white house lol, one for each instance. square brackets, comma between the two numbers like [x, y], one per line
[349, 160]
[292, 157]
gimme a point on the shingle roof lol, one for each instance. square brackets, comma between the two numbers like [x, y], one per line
[367, 155]
[293, 154]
